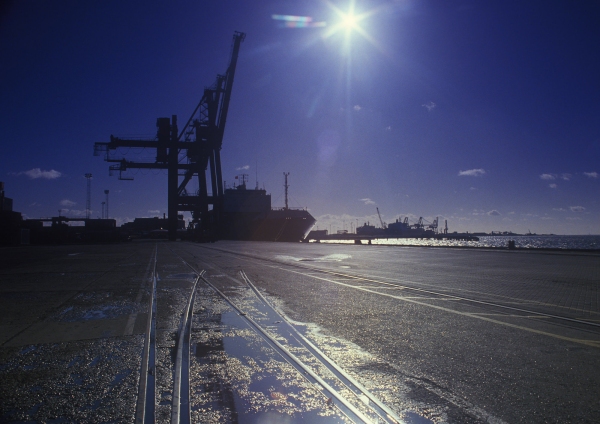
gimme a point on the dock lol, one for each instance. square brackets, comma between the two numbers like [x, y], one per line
[156, 331]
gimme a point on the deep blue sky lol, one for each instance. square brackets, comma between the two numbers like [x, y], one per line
[486, 114]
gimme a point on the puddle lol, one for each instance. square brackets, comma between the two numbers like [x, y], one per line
[240, 375]
[86, 313]
[27, 349]
[236, 372]
[336, 257]
[412, 418]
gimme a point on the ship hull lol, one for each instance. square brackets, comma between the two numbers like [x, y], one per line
[278, 225]
[285, 225]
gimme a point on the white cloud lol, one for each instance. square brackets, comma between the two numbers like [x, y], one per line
[388, 128]
[36, 173]
[471, 173]
[74, 212]
[154, 212]
[243, 168]
[547, 177]
[577, 208]
[472, 188]
[559, 209]
[367, 201]
[591, 174]
[573, 218]
[494, 213]
[566, 177]
[430, 106]
[357, 107]
[552, 185]
[68, 203]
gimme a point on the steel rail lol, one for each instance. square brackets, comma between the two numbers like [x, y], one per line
[181, 379]
[416, 289]
[145, 408]
[342, 403]
[349, 410]
[354, 386]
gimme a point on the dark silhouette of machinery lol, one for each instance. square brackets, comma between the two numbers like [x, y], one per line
[188, 153]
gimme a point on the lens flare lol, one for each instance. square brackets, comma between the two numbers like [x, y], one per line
[292, 21]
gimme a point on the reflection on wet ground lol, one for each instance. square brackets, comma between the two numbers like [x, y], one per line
[238, 375]
[334, 257]
[97, 306]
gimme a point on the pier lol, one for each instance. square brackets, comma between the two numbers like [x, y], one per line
[362, 239]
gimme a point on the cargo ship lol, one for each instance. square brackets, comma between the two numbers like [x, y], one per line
[248, 215]
[400, 229]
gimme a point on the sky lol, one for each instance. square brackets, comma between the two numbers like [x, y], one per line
[484, 114]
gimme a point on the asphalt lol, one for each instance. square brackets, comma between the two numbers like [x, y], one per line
[439, 335]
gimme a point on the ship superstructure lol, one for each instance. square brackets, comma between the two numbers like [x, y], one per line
[248, 215]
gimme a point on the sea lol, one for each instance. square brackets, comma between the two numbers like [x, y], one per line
[589, 242]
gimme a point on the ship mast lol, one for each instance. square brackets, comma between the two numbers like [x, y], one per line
[285, 174]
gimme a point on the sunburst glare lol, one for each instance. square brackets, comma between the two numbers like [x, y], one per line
[349, 22]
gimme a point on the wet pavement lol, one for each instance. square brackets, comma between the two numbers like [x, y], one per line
[436, 335]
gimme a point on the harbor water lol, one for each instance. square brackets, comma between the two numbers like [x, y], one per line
[590, 242]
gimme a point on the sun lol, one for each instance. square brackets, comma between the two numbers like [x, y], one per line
[349, 21]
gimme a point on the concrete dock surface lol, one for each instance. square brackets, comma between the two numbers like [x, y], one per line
[438, 335]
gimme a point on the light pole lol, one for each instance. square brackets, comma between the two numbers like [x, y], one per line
[106, 192]
[89, 196]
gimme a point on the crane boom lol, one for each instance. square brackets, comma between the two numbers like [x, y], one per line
[383, 225]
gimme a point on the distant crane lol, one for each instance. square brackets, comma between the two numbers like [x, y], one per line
[383, 224]
[419, 225]
[445, 226]
[434, 225]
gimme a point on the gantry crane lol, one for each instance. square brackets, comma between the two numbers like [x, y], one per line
[194, 150]
[419, 225]
[434, 225]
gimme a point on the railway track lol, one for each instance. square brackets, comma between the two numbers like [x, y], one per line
[146, 393]
[339, 390]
